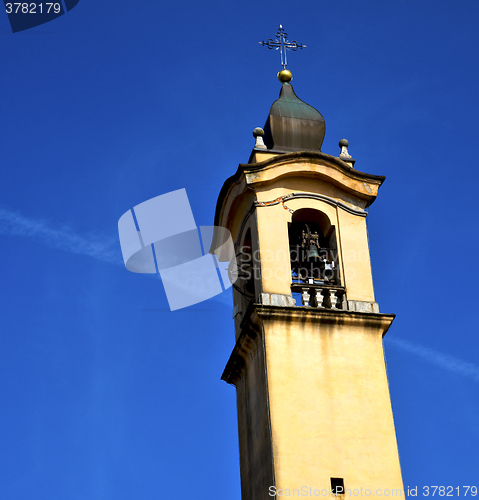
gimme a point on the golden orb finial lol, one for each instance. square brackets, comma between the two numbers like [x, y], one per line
[285, 76]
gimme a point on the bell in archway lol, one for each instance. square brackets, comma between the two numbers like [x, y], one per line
[313, 253]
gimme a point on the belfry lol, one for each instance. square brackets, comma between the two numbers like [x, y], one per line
[314, 410]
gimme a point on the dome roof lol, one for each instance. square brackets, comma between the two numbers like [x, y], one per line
[293, 125]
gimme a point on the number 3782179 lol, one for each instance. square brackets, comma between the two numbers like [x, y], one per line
[449, 491]
[33, 8]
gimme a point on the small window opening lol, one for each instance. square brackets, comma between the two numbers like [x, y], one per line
[337, 486]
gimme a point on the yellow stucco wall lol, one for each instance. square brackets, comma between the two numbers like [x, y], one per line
[274, 249]
[355, 257]
[329, 403]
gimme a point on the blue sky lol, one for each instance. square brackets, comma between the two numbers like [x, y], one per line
[105, 393]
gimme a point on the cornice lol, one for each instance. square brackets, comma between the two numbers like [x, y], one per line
[258, 173]
[311, 156]
[256, 314]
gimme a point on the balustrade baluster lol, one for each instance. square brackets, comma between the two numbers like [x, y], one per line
[305, 296]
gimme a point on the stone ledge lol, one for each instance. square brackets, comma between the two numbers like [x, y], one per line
[363, 306]
[256, 314]
[277, 299]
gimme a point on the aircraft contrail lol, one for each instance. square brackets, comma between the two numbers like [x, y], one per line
[445, 361]
[13, 223]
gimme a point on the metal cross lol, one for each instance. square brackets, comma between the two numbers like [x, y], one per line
[282, 43]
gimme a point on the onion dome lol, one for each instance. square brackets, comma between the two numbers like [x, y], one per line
[293, 125]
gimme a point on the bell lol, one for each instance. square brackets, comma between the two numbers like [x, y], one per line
[313, 252]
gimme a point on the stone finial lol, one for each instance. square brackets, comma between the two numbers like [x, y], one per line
[343, 144]
[258, 134]
[344, 155]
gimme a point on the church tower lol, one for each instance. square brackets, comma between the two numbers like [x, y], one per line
[314, 411]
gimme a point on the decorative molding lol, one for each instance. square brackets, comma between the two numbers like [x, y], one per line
[245, 169]
[292, 196]
[314, 196]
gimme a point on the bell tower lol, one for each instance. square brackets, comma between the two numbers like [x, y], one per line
[314, 411]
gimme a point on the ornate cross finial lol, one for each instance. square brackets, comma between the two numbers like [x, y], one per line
[282, 43]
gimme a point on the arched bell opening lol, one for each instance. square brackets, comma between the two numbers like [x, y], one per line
[243, 278]
[313, 249]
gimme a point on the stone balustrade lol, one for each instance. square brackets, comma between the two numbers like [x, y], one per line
[322, 296]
